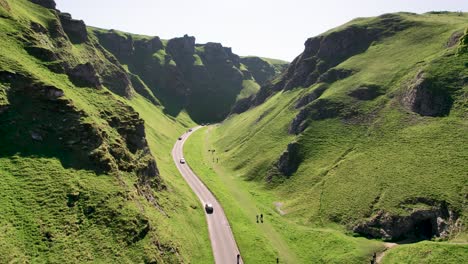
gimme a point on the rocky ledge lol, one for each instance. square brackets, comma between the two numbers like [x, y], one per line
[432, 219]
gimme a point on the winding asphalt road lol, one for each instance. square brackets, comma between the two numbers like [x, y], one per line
[222, 241]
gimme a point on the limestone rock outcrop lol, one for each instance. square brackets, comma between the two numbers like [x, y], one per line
[75, 29]
[424, 98]
[437, 220]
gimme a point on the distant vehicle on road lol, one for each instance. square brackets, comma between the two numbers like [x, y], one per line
[182, 160]
[209, 208]
[190, 130]
[180, 138]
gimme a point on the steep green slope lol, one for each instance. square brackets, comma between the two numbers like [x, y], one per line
[205, 79]
[366, 129]
[79, 180]
[264, 69]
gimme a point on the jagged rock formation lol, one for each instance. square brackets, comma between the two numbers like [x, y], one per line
[205, 79]
[75, 29]
[84, 75]
[287, 163]
[52, 45]
[437, 220]
[324, 52]
[333, 75]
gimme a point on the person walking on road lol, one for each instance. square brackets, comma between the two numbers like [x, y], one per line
[257, 218]
[261, 218]
[238, 258]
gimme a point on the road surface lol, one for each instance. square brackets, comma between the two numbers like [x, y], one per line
[222, 241]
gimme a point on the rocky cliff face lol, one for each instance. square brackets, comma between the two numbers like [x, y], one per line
[54, 124]
[326, 51]
[54, 46]
[425, 99]
[205, 79]
[89, 145]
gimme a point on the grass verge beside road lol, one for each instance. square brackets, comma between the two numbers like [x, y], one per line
[277, 236]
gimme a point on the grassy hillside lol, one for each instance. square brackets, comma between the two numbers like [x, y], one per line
[376, 133]
[276, 237]
[78, 177]
[264, 70]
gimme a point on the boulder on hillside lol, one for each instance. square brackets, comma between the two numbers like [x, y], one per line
[84, 75]
[118, 81]
[366, 92]
[45, 3]
[290, 159]
[424, 98]
[75, 29]
[287, 163]
[312, 96]
[333, 75]
[318, 110]
[41, 53]
[38, 28]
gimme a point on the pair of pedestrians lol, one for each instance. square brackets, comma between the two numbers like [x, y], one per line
[259, 217]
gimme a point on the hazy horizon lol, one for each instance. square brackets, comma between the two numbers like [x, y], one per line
[273, 29]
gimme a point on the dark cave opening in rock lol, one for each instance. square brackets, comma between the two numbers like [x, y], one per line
[424, 229]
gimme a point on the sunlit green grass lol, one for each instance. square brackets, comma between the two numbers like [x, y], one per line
[277, 236]
[427, 252]
[250, 87]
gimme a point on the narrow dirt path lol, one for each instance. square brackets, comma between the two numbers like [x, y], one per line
[381, 254]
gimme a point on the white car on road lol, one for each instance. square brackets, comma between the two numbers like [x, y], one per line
[182, 161]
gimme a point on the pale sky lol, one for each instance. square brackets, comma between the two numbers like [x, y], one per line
[267, 28]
